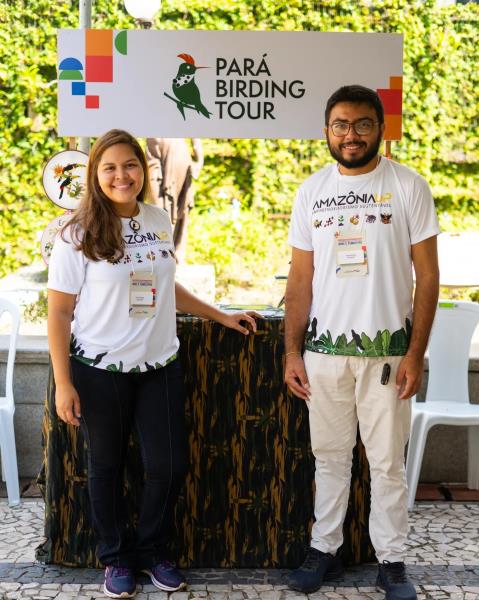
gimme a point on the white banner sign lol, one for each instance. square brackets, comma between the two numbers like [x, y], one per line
[225, 84]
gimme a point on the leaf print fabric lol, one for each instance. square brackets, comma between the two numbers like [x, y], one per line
[247, 501]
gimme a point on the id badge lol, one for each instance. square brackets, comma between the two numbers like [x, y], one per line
[351, 255]
[142, 295]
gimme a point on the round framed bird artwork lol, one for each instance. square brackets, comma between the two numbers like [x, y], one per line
[64, 178]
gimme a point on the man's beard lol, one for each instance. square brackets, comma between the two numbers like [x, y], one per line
[357, 162]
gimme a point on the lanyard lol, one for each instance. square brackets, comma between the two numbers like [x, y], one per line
[137, 226]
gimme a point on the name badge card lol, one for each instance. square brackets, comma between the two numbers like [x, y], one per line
[142, 295]
[351, 255]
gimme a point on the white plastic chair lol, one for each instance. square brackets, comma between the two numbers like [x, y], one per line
[447, 397]
[7, 408]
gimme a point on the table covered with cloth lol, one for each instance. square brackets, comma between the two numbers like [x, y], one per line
[248, 496]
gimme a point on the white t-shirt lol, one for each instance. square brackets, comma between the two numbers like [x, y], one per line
[103, 333]
[392, 207]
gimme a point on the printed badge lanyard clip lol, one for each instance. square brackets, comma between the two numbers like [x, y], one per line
[142, 284]
[136, 227]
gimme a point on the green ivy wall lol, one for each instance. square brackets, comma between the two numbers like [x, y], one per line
[441, 113]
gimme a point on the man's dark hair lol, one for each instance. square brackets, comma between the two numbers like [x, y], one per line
[357, 94]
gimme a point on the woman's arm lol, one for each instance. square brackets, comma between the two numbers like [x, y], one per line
[189, 303]
[60, 311]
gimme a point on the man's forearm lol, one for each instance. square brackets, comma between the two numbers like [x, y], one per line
[424, 309]
[297, 306]
[298, 298]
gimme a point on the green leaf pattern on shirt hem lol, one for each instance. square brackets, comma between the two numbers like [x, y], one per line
[77, 352]
[383, 344]
[137, 369]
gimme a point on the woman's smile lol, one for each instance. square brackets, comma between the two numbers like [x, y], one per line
[120, 176]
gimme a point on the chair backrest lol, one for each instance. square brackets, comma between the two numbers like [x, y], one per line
[449, 348]
[12, 309]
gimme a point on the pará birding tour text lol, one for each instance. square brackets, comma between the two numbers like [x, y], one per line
[235, 96]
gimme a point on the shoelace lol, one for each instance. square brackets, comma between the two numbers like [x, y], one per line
[396, 572]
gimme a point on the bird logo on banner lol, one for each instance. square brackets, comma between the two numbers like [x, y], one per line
[185, 88]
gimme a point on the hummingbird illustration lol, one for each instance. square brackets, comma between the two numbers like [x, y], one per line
[185, 88]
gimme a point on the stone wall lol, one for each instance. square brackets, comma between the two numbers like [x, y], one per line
[445, 457]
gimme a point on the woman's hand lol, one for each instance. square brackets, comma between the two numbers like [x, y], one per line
[67, 403]
[189, 303]
[234, 320]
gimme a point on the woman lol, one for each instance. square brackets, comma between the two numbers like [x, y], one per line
[116, 366]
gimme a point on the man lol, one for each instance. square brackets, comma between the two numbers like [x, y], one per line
[357, 226]
[172, 169]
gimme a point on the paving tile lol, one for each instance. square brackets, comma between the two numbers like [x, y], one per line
[269, 594]
[218, 587]
[443, 561]
[199, 587]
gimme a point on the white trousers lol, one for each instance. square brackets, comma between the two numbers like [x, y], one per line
[346, 390]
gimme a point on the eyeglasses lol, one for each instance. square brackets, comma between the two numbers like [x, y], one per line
[361, 127]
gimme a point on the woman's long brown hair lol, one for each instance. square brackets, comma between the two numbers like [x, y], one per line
[95, 226]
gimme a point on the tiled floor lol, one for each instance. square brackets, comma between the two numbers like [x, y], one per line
[443, 562]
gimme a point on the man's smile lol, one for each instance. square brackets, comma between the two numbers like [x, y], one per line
[352, 145]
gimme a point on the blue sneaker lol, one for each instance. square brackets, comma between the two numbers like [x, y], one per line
[393, 580]
[119, 582]
[317, 567]
[166, 577]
